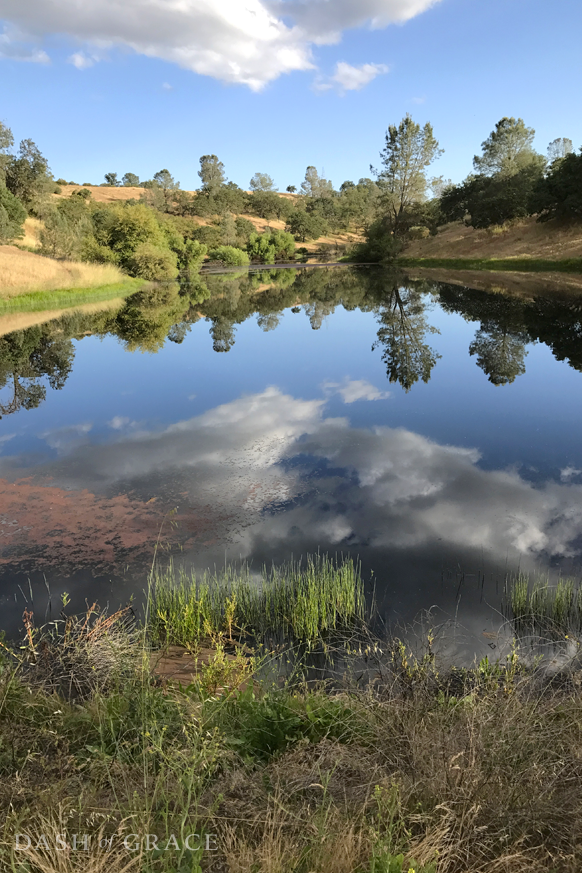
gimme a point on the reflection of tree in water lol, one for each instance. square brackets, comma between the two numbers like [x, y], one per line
[31, 358]
[403, 327]
[500, 353]
[509, 323]
[26, 358]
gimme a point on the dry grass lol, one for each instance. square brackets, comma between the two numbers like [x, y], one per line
[22, 272]
[31, 238]
[549, 240]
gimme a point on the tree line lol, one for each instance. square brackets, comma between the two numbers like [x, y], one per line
[157, 236]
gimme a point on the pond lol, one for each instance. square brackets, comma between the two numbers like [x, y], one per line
[430, 427]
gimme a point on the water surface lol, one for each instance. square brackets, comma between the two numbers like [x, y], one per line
[430, 428]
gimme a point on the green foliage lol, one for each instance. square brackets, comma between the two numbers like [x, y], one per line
[271, 246]
[380, 246]
[112, 180]
[315, 185]
[27, 359]
[228, 230]
[229, 256]
[306, 225]
[122, 228]
[295, 601]
[149, 261]
[262, 182]
[408, 152]
[28, 176]
[268, 204]
[130, 180]
[244, 229]
[60, 236]
[211, 174]
[507, 149]
[6, 143]
[559, 194]
[12, 216]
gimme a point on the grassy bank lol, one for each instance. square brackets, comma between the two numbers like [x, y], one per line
[22, 273]
[522, 265]
[424, 768]
[45, 301]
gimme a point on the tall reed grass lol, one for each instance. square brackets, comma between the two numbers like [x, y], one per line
[298, 601]
[536, 607]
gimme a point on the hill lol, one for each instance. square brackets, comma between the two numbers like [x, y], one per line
[527, 238]
[105, 194]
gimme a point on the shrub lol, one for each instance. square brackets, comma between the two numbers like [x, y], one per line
[419, 232]
[230, 256]
[61, 182]
[150, 261]
[12, 216]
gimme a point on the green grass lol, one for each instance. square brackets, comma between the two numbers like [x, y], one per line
[522, 265]
[39, 301]
[469, 770]
[537, 607]
[299, 601]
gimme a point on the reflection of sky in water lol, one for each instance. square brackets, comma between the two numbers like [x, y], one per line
[292, 441]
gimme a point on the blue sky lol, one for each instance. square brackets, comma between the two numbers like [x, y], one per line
[275, 85]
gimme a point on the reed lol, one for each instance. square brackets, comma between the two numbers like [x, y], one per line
[299, 601]
[535, 606]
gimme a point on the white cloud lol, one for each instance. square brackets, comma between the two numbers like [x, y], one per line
[118, 421]
[82, 61]
[355, 389]
[569, 473]
[167, 87]
[250, 42]
[15, 46]
[348, 78]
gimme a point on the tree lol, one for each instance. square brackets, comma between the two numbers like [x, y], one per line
[130, 180]
[500, 354]
[27, 357]
[228, 229]
[112, 180]
[291, 189]
[28, 176]
[497, 199]
[167, 185]
[559, 148]
[211, 174]
[6, 143]
[559, 194]
[262, 182]
[12, 216]
[408, 152]
[401, 334]
[306, 225]
[507, 149]
[153, 262]
[230, 256]
[315, 185]
[266, 204]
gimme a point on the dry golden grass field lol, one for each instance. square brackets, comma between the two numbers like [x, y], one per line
[22, 271]
[525, 239]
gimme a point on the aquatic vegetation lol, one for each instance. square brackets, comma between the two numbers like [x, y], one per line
[298, 601]
[536, 607]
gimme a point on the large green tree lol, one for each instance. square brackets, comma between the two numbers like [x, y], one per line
[12, 216]
[507, 149]
[262, 182]
[28, 175]
[211, 174]
[406, 156]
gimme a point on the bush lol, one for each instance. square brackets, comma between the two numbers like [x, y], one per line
[61, 182]
[559, 195]
[230, 256]
[153, 262]
[12, 216]
[419, 232]
[306, 225]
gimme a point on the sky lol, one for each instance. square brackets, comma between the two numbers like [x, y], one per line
[276, 85]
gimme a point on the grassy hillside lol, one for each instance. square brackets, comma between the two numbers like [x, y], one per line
[119, 195]
[527, 239]
[23, 272]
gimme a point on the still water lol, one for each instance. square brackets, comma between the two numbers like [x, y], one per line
[431, 428]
